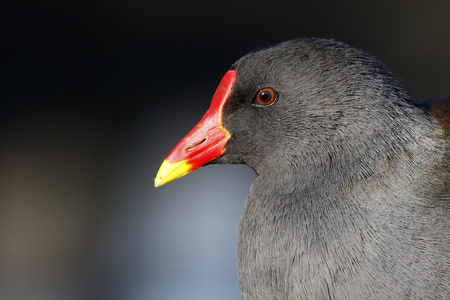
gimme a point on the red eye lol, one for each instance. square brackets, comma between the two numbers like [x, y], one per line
[266, 96]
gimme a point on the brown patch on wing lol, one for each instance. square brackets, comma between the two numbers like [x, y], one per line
[440, 109]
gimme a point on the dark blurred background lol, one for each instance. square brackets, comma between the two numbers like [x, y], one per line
[94, 94]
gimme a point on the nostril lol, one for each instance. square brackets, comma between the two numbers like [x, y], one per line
[195, 145]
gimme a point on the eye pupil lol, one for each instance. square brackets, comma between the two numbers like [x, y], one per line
[265, 96]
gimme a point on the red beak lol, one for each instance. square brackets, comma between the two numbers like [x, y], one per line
[205, 142]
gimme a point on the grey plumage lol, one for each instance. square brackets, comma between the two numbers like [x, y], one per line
[351, 194]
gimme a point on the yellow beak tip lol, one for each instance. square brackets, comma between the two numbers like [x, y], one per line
[171, 171]
[158, 182]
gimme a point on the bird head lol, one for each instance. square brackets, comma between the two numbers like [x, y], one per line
[298, 103]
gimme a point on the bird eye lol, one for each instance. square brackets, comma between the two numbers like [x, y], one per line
[265, 97]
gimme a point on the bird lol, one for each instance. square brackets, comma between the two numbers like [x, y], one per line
[351, 193]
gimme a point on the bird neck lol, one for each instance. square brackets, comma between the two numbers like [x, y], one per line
[302, 230]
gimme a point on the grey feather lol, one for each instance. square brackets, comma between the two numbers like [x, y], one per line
[351, 195]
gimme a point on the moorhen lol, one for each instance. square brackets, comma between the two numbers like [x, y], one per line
[352, 188]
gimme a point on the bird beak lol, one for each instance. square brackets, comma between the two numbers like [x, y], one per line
[205, 142]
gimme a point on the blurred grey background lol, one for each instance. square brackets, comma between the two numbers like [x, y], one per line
[94, 94]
